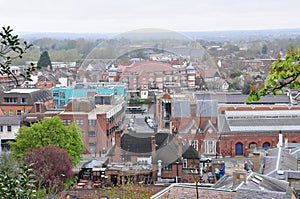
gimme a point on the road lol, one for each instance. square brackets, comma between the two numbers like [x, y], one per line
[140, 126]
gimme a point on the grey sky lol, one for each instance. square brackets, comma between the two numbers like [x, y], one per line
[98, 16]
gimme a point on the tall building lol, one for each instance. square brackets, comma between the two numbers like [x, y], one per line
[62, 95]
[99, 117]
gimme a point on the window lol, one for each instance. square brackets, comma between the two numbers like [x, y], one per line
[92, 134]
[184, 163]
[62, 95]
[92, 122]
[8, 128]
[55, 94]
[126, 158]
[92, 147]
[193, 131]
[24, 100]
[4, 112]
[79, 122]
[10, 100]
[1, 128]
[194, 144]
[62, 102]
[167, 168]
[67, 122]
[19, 112]
[11, 112]
[210, 147]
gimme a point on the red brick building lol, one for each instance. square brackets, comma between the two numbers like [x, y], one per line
[216, 124]
[194, 120]
[143, 77]
[98, 118]
[18, 101]
[241, 132]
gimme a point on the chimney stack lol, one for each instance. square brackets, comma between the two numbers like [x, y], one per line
[280, 140]
[153, 146]
[286, 142]
[117, 156]
[179, 146]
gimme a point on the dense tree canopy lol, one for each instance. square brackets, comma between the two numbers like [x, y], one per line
[44, 60]
[49, 131]
[11, 48]
[52, 166]
[284, 74]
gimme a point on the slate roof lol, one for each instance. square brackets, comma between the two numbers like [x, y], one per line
[168, 153]
[263, 124]
[33, 95]
[189, 152]
[166, 150]
[238, 98]
[140, 143]
[9, 120]
[256, 186]
[223, 125]
[181, 108]
[207, 108]
[278, 159]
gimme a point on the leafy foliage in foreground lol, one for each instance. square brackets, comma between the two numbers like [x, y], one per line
[283, 75]
[12, 48]
[20, 186]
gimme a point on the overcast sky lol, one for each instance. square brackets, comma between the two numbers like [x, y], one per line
[117, 16]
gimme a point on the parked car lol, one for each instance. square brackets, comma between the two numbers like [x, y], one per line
[149, 120]
[151, 125]
[146, 118]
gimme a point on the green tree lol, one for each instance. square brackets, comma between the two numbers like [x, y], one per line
[11, 48]
[49, 131]
[264, 49]
[44, 60]
[283, 74]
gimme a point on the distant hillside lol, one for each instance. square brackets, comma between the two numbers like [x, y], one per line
[248, 35]
[61, 36]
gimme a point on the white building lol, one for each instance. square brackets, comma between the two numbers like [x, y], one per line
[9, 126]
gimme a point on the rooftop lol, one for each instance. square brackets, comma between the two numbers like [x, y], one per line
[22, 90]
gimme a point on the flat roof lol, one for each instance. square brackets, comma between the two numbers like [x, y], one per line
[22, 90]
